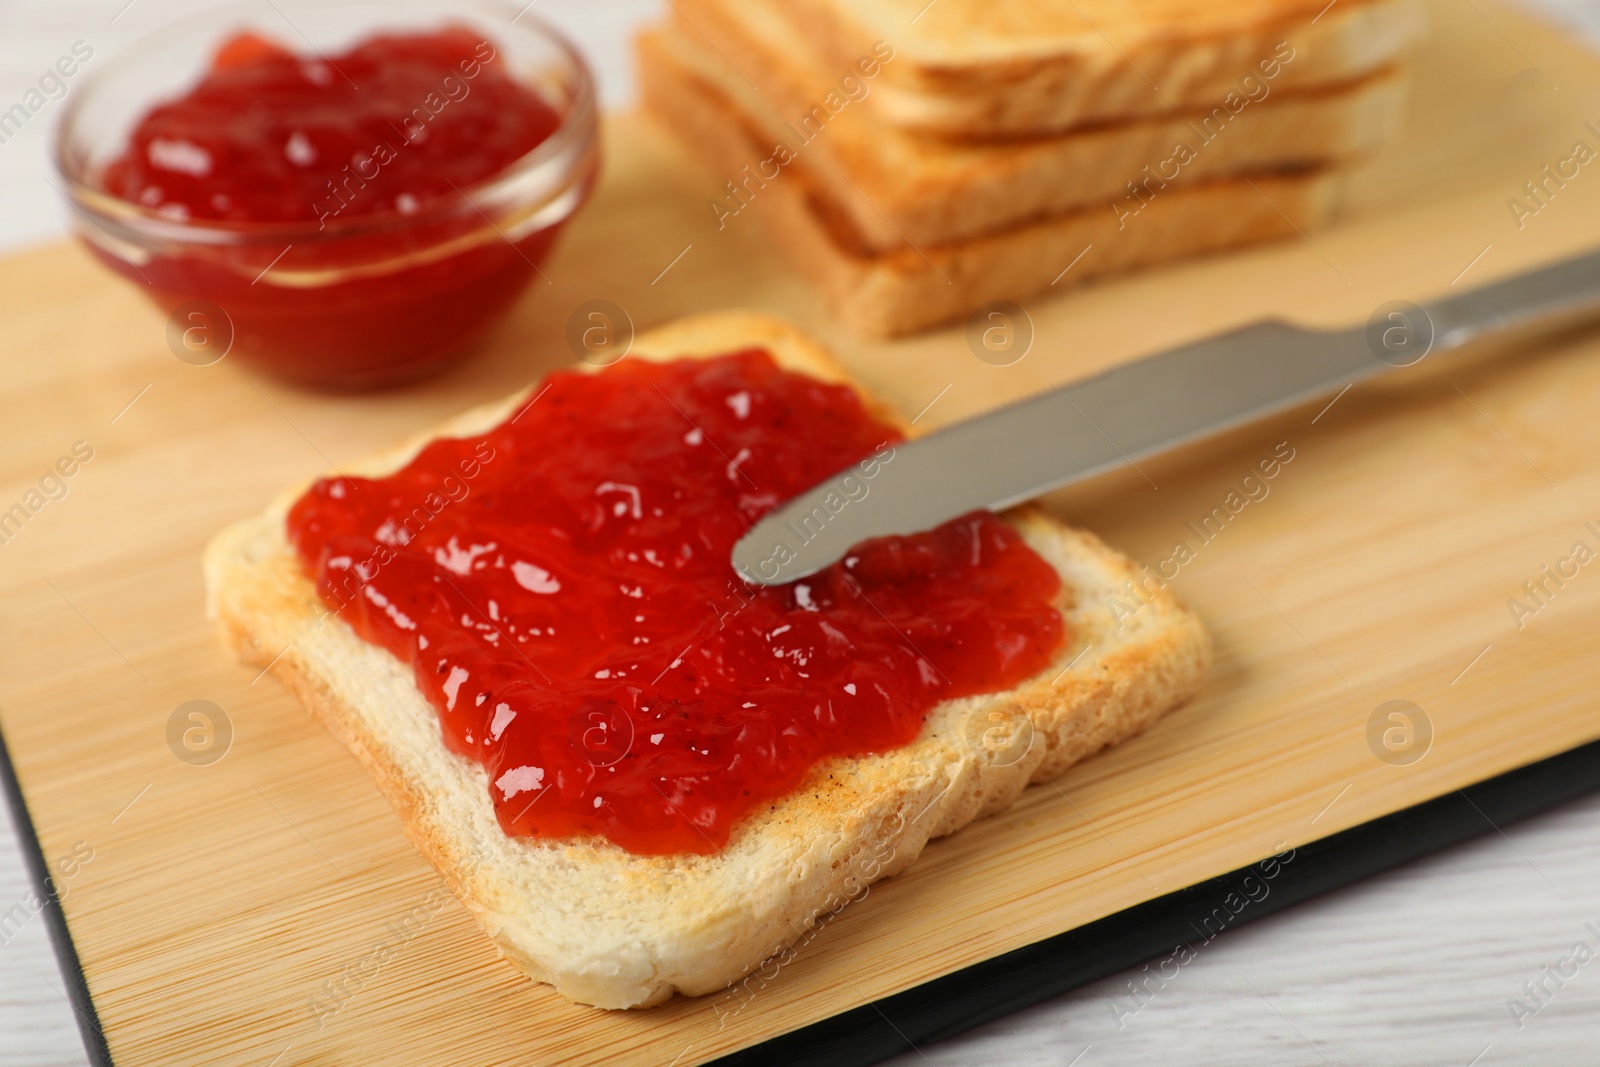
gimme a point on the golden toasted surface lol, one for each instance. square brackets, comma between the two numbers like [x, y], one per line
[973, 33]
[976, 70]
[885, 292]
[897, 187]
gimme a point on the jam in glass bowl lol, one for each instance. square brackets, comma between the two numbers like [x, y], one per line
[346, 195]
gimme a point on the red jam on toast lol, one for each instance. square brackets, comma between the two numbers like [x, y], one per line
[561, 587]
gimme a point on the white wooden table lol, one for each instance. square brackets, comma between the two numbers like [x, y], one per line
[1417, 966]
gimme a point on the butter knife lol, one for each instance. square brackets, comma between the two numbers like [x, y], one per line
[1096, 425]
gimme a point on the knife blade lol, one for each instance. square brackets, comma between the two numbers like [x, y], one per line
[1089, 427]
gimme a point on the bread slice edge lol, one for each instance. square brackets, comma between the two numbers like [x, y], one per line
[898, 188]
[889, 294]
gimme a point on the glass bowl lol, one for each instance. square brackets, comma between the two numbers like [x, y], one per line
[353, 301]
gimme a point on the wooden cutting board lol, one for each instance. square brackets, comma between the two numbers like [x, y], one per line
[223, 908]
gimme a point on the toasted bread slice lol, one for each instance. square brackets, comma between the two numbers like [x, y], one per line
[988, 68]
[617, 930]
[895, 187]
[889, 292]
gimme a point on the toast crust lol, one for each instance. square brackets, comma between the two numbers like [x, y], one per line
[981, 68]
[615, 930]
[897, 187]
[888, 293]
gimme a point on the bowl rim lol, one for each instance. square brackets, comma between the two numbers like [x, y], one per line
[576, 136]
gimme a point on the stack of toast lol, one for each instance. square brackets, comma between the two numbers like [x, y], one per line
[919, 160]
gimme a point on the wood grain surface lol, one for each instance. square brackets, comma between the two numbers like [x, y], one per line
[223, 901]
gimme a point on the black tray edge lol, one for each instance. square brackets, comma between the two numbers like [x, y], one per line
[1034, 973]
[55, 920]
